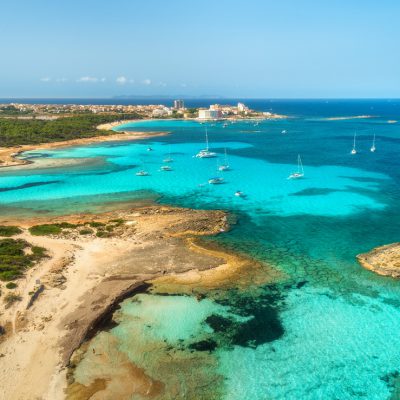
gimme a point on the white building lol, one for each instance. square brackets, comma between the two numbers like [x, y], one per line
[209, 114]
[179, 104]
[161, 112]
[242, 108]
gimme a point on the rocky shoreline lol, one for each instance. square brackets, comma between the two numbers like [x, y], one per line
[383, 260]
[86, 277]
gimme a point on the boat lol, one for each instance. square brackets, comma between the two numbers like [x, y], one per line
[215, 181]
[353, 150]
[166, 168]
[373, 148]
[300, 170]
[142, 173]
[169, 158]
[225, 166]
[239, 193]
[206, 153]
[149, 149]
[284, 132]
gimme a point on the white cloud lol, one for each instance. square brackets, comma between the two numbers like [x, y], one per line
[45, 79]
[90, 79]
[121, 80]
[147, 82]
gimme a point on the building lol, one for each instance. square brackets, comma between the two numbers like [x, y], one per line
[161, 112]
[179, 104]
[242, 108]
[209, 114]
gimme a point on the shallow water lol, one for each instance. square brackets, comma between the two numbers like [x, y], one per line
[327, 329]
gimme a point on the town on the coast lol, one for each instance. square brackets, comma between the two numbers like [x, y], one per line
[175, 110]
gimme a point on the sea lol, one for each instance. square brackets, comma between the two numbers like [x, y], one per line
[324, 327]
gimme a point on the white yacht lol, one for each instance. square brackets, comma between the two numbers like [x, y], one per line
[225, 165]
[353, 150]
[166, 168]
[215, 181]
[300, 170]
[239, 193]
[373, 148]
[206, 153]
[142, 173]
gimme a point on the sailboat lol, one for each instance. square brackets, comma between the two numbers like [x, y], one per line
[300, 170]
[169, 158]
[354, 151]
[373, 148]
[225, 166]
[166, 168]
[142, 172]
[206, 153]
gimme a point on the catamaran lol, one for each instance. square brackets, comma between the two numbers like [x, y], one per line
[225, 166]
[300, 170]
[215, 181]
[206, 153]
[373, 148]
[354, 151]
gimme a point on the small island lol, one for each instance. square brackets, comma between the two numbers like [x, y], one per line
[383, 260]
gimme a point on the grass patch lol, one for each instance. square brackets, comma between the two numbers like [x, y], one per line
[86, 231]
[11, 298]
[11, 285]
[103, 234]
[14, 258]
[45, 230]
[9, 230]
[96, 224]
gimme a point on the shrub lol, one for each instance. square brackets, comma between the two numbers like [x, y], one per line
[11, 298]
[96, 224]
[102, 234]
[45, 229]
[14, 260]
[86, 231]
[11, 285]
[9, 230]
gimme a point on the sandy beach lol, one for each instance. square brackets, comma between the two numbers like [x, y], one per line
[85, 277]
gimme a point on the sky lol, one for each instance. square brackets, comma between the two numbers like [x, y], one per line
[252, 48]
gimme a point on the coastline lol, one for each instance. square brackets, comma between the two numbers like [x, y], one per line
[86, 277]
[383, 260]
[10, 155]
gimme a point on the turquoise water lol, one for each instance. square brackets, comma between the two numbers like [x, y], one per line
[327, 330]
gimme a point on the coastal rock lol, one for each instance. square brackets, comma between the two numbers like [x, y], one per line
[384, 260]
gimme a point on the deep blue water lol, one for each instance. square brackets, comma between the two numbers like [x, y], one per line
[327, 329]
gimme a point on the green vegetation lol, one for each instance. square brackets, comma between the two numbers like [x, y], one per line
[103, 234]
[51, 229]
[32, 131]
[11, 285]
[86, 231]
[117, 221]
[15, 257]
[9, 230]
[96, 224]
[45, 230]
[11, 298]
